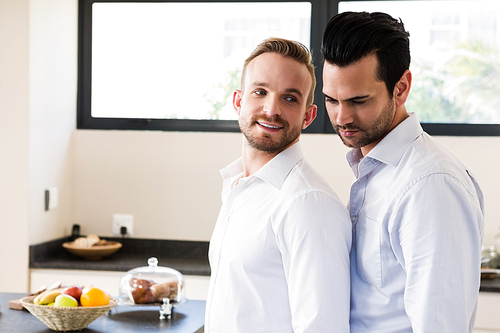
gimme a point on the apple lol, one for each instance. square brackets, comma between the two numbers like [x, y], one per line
[74, 292]
[65, 300]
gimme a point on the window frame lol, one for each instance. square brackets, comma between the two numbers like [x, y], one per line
[322, 11]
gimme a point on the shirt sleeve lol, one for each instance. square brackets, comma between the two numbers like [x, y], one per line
[438, 242]
[314, 237]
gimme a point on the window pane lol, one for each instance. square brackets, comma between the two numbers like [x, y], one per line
[181, 60]
[455, 49]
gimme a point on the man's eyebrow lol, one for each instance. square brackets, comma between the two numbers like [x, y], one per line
[349, 99]
[294, 90]
[258, 84]
[357, 97]
[265, 85]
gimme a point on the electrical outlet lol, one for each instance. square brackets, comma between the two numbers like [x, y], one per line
[123, 220]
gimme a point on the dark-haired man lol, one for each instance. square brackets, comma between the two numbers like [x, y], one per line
[279, 252]
[417, 211]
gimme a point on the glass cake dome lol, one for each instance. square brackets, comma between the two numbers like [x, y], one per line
[151, 285]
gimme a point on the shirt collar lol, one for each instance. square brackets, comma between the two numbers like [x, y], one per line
[391, 148]
[273, 172]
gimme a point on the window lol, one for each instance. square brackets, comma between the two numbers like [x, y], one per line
[174, 65]
[162, 65]
[455, 49]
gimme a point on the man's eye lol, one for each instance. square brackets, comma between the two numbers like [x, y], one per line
[291, 99]
[260, 92]
[358, 102]
[330, 100]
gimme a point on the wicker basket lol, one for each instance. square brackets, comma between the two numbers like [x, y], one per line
[66, 318]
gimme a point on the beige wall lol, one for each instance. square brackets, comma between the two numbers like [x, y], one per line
[52, 99]
[14, 144]
[37, 109]
[169, 181]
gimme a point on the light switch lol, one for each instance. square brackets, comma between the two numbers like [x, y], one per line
[51, 198]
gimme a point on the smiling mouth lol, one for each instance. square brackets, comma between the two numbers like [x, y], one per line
[274, 127]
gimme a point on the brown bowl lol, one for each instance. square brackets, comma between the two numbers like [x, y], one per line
[95, 252]
[489, 274]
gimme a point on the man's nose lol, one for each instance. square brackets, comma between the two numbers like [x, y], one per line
[343, 115]
[272, 106]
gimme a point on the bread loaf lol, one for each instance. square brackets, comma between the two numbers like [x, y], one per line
[140, 291]
[165, 290]
[93, 239]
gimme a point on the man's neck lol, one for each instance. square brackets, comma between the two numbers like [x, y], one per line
[399, 117]
[254, 159]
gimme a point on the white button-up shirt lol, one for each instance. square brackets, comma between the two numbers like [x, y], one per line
[417, 216]
[279, 253]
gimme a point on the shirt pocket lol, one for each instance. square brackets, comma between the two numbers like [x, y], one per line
[368, 258]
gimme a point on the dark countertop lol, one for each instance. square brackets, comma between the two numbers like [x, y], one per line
[188, 257]
[187, 318]
[490, 285]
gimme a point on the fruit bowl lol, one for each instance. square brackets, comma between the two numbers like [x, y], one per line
[66, 318]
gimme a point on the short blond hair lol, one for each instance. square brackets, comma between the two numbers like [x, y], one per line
[287, 48]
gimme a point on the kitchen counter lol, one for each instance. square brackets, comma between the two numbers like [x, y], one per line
[188, 257]
[187, 318]
[490, 285]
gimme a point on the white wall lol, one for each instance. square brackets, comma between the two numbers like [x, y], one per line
[169, 181]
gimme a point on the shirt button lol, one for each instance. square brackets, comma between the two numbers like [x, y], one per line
[353, 218]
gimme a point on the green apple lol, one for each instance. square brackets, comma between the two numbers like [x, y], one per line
[65, 300]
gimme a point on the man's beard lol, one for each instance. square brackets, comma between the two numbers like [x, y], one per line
[378, 129]
[265, 142]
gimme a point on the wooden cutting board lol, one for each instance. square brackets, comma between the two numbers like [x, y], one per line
[16, 305]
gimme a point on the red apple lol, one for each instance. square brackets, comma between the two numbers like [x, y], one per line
[74, 292]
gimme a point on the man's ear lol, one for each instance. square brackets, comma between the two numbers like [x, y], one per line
[402, 88]
[237, 95]
[310, 115]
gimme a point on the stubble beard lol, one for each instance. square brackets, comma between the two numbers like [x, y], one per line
[265, 142]
[375, 132]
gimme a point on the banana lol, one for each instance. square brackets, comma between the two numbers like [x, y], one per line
[37, 299]
[48, 296]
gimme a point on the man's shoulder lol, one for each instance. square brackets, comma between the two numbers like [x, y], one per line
[425, 159]
[428, 155]
[305, 190]
[304, 178]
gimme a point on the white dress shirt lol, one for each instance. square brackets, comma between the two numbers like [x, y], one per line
[279, 253]
[417, 216]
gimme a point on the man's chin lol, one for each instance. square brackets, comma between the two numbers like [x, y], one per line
[267, 147]
[348, 143]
